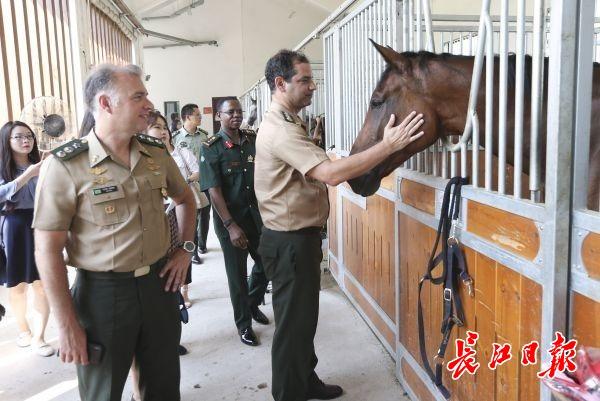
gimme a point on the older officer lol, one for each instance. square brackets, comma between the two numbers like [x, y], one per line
[291, 173]
[101, 198]
[227, 169]
[191, 136]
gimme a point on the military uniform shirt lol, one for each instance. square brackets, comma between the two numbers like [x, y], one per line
[193, 142]
[231, 167]
[114, 215]
[287, 198]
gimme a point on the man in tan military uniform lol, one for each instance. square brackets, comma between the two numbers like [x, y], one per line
[101, 198]
[290, 177]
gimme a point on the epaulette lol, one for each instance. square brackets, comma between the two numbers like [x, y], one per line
[200, 130]
[211, 140]
[71, 149]
[289, 118]
[150, 140]
[248, 132]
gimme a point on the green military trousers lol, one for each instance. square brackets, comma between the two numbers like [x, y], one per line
[129, 317]
[292, 262]
[244, 293]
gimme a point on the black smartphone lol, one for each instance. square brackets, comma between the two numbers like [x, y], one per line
[95, 353]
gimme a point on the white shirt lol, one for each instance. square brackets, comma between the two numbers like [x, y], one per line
[184, 157]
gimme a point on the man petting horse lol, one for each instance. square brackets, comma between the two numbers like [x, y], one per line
[290, 177]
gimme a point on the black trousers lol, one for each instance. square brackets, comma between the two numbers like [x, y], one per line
[202, 224]
[244, 293]
[292, 262]
[129, 317]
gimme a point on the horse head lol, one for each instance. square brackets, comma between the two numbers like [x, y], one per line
[407, 84]
[253, 112]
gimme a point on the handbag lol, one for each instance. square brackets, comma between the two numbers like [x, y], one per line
[199, 196]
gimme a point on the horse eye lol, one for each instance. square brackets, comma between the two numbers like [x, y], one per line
[376, 102]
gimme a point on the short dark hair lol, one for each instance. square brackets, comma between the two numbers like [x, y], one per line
[282, 65]
[222, 101]
[188, 110]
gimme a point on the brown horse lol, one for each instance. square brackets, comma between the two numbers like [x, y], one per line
[438, 86]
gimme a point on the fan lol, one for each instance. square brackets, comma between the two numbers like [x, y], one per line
[50, 119]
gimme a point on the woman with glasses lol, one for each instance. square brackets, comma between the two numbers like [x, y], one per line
[19, 168]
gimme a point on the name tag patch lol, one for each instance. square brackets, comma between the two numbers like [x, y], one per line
[105, 190]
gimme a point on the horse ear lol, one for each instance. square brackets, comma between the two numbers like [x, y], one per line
[392, 57]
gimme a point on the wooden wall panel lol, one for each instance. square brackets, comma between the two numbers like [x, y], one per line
[389, 182]
[107, 40]
[369, 249]
[516, 234]
[387, 333]
[332, 234]
[417, 195]
[506, 307]
[590, 253]
[586, 325]
[415, 383]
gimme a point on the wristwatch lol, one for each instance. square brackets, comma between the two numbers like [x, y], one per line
[188, 246]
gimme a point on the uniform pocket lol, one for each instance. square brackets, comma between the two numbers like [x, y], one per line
[110, 207]
[156, 184]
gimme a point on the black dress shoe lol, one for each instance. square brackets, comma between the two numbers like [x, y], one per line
[258, 316]
[248, 337]
[196, 260]
[202, 250]
[317, 390]
[182, 350]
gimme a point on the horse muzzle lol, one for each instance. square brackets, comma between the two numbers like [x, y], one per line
[366, 185]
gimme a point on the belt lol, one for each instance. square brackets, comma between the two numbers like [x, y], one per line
[112, 275]
[302, 231]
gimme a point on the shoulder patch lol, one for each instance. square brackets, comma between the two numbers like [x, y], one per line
[248, 132]
[149, 140]
[211, 140]
[71, 149]
[200, 130]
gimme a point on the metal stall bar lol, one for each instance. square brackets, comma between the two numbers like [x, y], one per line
[489, 102]
[428, 26]
[503, 85]
[586, 49]
[561, 124]
[537, 96]
[519, 100]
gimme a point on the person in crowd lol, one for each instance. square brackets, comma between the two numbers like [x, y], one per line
[189, 168]
[175, 122]
[19, 168]
[227, 168]
[101, 199]
[87, 124]
[290, 176]
[191, 136]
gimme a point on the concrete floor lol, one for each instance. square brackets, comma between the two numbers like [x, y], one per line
[218, 366]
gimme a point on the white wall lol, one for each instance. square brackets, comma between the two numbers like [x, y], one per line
[248, 32]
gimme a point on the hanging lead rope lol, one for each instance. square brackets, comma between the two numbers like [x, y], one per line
[454, 269]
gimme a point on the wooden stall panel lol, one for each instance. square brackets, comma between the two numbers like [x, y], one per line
[516, 234]
[415, 383]
[389, 182]
[590, 253]
[586, 325]
[417, 195]
[369, 249]
[107, 40]
[387, 333]
[505, 308]
[332, 234]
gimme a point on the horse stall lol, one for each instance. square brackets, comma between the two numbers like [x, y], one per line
[529, 145]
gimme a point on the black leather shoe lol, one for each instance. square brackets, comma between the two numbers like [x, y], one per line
[317, 390]
[248, 337]
[258, 316]
[202, 250]
[196, 260]
[182, 350]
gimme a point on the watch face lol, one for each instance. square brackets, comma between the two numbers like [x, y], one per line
[189, 246]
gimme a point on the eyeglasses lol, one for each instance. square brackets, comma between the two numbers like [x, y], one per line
[232, 112]
[23, 137]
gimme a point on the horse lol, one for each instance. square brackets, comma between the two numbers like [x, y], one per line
[252, 114]
[438, 86]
